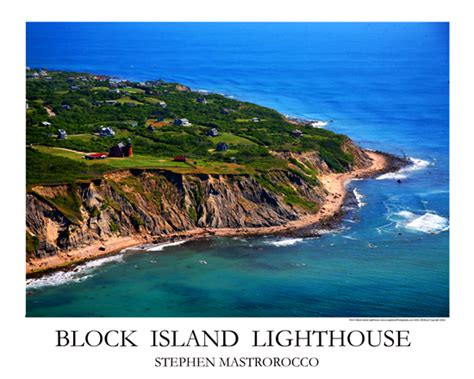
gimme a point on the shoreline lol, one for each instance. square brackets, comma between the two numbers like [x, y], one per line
[327, 217]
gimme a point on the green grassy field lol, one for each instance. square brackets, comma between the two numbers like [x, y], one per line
[151, 100]
[145, 161]
[127, 99]
[82, 137]
[230, 138]
[100, 88]
[251, 143]
[132, 90]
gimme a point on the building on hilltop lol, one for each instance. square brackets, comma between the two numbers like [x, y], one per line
[179, 158]
[222, 146]
[106, 131]
[227, 111]
[94, 156]
[121, 150]
[46, 123]
[212, 133]
[296, 133]
[182, 122]
[62, 134]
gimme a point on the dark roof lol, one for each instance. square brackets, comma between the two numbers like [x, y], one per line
[222, 146]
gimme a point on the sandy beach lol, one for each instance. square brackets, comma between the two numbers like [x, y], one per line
[335, 185]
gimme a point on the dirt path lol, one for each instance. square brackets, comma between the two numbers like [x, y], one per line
[50, 112]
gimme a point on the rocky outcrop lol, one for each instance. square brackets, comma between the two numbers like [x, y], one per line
[359, 156]
[157, 203]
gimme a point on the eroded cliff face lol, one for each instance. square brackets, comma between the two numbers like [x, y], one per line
[156, 203]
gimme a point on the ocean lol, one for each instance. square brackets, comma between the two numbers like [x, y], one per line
[386, 85]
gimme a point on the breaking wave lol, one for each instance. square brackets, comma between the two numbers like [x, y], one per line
[426, 223]
[359, 198]
[162, 246]
[417, 164]
[284, 242]
[78, 274]
[318, 124]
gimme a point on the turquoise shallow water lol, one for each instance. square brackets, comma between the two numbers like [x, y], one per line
[385, 85]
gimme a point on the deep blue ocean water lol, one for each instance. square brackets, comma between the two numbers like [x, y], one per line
[385, 85]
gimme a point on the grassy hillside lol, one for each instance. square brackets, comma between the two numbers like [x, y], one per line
[82, 103]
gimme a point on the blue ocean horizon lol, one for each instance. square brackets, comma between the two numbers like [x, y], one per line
[385, 85]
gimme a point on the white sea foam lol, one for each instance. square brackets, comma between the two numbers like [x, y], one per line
[162, 246]
[284, 242]
[426, 223]
[78, 274]
[326, 231]
[358, 197]
[318, 124]
[350, 238]
[416, 164]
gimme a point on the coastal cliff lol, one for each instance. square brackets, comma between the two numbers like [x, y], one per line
[196, 165]
[150, 203]
[154, 203]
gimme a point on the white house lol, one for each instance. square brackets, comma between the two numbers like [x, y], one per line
[182, 122]
[107, 131]
[62, 134]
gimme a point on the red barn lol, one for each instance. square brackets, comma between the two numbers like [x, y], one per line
[180, 158]
[95, 156]
[121, 150]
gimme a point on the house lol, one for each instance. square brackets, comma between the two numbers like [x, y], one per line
[66, 106]
[201, 100]
[106, 131]
[151, 128]
[296, 133]
[110, 102]
[179, 158]
[94, 156]
[121, 150]
[182, 122]
[233, 160]
[62, 134]
[163, 104]
[74, 88]
[212, 133]
[227, 111]
[255, 119]
[97, 103]
[222, 146]
[46, 123]
[31, 76]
